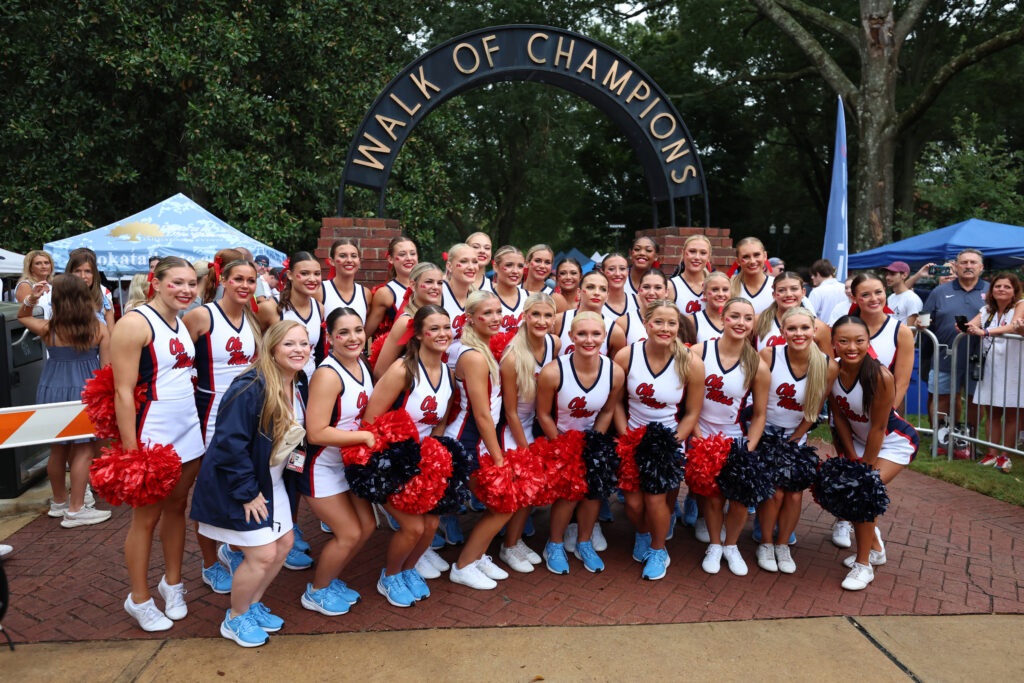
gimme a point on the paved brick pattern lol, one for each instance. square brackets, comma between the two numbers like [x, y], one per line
[950, 551]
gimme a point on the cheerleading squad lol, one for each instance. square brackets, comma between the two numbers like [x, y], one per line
[500, 394]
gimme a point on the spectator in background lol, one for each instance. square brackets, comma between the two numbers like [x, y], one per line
[202, 268]
[828, 292]
[262, 286]
[903, 302]
[778, 266]
[923, 272]
[38, 267]
[274, 280]
[843, 307]
[138, 292]
[153, 260]
[963, 296]
[82, 264]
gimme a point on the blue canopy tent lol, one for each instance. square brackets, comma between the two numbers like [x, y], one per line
[1002, 245]
[585, 263]
[175, 227]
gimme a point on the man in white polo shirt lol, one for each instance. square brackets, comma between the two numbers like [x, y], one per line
[828, 292]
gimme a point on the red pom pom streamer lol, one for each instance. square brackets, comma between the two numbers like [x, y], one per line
[563, 467]
[391, 427]
[420, 494]
[500, 341]
[495, 485]
[137, 477]
[626, 445]
[704, 460]
[375, 348]
[98, 397]
[530, 476]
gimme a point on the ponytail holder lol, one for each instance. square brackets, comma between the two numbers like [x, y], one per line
[285, 264]
[405, 300]
[732, 270]
[407, 337]
[656, 263]
[252, 304]
[150, 292]
[218, 266]
[330, 268]
[444, 255]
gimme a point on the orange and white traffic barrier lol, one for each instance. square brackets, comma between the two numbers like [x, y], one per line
[42, 424]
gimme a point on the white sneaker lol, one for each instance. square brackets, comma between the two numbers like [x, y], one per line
[569, 537]
[6, 549]
[859, 577]
[875, 559]
[426, 569]
[90, 499]
[700, 530]
[597, 539]
[841, 531]
[57, 509]
[491, 570]
[712, 559]
[515, 559]
[85, 516]
[881, 543]
[174, 599]
[435, 560]
[736, 564]
[150, 618]
[784, 559]
[531, 557]
[766, 557]
[471, 576]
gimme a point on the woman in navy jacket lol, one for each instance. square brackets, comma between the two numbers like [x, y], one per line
[240, 496]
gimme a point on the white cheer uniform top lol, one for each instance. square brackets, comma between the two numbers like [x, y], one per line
[652, 397]
[314, 326]
[333, 300]
[706, 330]
[527, 410]
[426, 403]
[724, 394]
[687, 300]
[576, 406]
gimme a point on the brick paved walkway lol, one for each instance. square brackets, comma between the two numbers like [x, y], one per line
[950, 551]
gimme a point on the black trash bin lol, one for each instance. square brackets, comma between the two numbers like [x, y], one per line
[21, 363]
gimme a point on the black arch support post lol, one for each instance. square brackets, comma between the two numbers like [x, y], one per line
[539, 54]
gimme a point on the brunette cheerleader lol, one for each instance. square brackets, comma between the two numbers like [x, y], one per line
[688, 284]
[708, 322]
[421, 384]
[342, 290]
[151, 348]
[425, 287]
[801, 375]
[664, 384]
[578, 391]
[593, 295]
[298, 302]
[653, 287]
[402, 257]
[567, 293]
[226, 336]
[616, 268]
[240, 496]
[339, 394]
[787, 294]
[531, 349]
[538, 269]
[868, 429]
[751, 282]
[643, 255]
[460, 273]
[733, 372]
[508, 274]
[481, 242]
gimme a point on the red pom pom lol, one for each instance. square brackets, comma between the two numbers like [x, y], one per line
[495, 485]
[501, 340]
[375, 347]
[704, 460]
[355, 455]
[98, 397]
[392, 427]
[530, 476]
[564, 469]
[139, 477]
[421, 493]
[626, 445]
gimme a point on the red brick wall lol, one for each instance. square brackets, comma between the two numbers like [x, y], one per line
[373, 235]
[671, 241]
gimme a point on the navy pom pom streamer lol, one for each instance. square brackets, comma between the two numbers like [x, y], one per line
[659, 460]
[744, 478]
[602, 464]
[385, 472]
[457, 492]
[850, 490]
[793, 467]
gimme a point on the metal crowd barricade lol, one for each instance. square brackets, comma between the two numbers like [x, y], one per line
[916, 402]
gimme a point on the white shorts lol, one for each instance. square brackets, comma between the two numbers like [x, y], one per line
[172, 422]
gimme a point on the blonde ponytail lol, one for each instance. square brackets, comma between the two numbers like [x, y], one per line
[524, 362]
[816, 387]
[469, 336]
[749, 359]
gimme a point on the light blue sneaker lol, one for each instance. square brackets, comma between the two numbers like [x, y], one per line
[218, 578]
[655, 564]
[451, 530]
[265, 619]
[641, 544]
[690, 511]
[438, 541]
[475, 504]
[605, 513]
[230, 558]
[586, 554]
[394, 590]
[528, 529]
[300, 542]
[672, 519]
[351, 596]
[415, 583]
[326, 601]
[555, 559]
[243, 630]
[324, 528]
[297, 560]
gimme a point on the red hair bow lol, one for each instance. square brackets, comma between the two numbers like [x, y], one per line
[149, 279]
[285, 264]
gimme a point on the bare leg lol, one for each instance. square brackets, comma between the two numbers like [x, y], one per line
[137, 546]
[404, 540]
[481, 536]
[635, 510]
[252, 575]
[713, 509]
[734, 521]
[864, 532]
[657, 514]
[789, 515]
[430, 523]
[282, 546]
[768, 514]
[56, 467]
[80, 455]
[515, 526]
[341, 516]
[586, 517]
[172, 528]
[561, 513]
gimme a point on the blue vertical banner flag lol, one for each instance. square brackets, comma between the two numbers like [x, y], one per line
[836, 245]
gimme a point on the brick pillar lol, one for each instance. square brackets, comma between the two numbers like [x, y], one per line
[371, 234]
[671, 242]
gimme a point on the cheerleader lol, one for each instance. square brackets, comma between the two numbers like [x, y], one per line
[299, 302]
[664, 384]
[708, 322]
[733, 372]
[460, 272]
[210, 288]
[801, 375]
[688, 283]
[538, 269]
[342, 290]
[578, 391]
[593, 295]
[750, 281]
[402, 257]
[868, 429]
[643, 256]
[653, 287]
[474, 425]
[787, 294]
[481, 242]
[226, 337]
[422, 385]
[616, 268]
[891, 340]
[567, 293]
[339, 394]
[151, 348]
[508, 273]
[425, 286]
[531, 349]
[240, 495]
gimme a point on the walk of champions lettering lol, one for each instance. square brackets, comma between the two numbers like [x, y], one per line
[529, 53]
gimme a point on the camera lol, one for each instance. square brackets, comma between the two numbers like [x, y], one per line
[939, 270]
[977, 368]
[961, 322]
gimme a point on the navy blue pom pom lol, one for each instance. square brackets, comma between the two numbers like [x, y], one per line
[850, 490]
[457, 492]
[744, 478]
[659, 460]
[601, 463]
[385, 472]
[791, 466]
